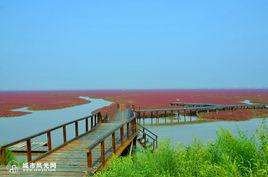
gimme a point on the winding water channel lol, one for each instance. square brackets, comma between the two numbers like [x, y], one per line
[15, 128]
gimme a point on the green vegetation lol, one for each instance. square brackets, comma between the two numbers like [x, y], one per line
[9, 156]
[229, 155]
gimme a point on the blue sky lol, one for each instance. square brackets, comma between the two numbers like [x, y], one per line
[141, 44]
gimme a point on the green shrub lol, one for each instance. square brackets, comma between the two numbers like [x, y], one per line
[10, 156]
[229, 155]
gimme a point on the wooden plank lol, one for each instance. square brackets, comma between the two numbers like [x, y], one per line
[86, 124]
[103, 153]
[3, 155]
[35, 147]
[91, 122]
[64, 134]
[122, 135]
[89, 159]
[76, 129]
[49, 141]
[113, 142]
[29, 155]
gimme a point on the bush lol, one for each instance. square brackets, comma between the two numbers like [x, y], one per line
[229, 155]
[9, 157]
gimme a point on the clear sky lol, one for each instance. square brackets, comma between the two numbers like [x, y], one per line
[133, 44]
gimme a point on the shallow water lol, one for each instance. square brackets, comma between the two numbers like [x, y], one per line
[12, 129]
[185, 133]
[15, 128]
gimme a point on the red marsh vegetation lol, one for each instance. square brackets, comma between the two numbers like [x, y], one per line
[139, 98]
[36, 101]
[161, 98]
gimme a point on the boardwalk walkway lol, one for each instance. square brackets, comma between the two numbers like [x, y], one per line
[71, 159]
[86, 153]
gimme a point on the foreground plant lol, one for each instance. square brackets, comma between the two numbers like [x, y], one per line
[229, 155]
[9, 157]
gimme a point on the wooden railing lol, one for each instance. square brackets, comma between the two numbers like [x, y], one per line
[94, 119]
[147, 138]
[111, 143]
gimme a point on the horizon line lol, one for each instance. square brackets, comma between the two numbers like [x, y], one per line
[132, 89]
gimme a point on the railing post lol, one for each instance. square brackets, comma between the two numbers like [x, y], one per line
[122, 135]
[99, 118]
[95, 120]
[156, 142]
[29, 153]
[3, 155]
[128, 130]
[105, 118]
[49, 141]
[143, 133]
[135, 126]
[76, 129]
[102, 153]
[113, 142]
[64, 134]
[91, 122]
[86, 124]
[89, 158]
[131, 127]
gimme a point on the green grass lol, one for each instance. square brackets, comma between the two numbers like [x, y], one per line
[228, 155]
[9, 157]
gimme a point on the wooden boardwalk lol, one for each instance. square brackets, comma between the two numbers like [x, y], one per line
[71, 160]
[37, 147]
[192, 109]
[82, 155]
